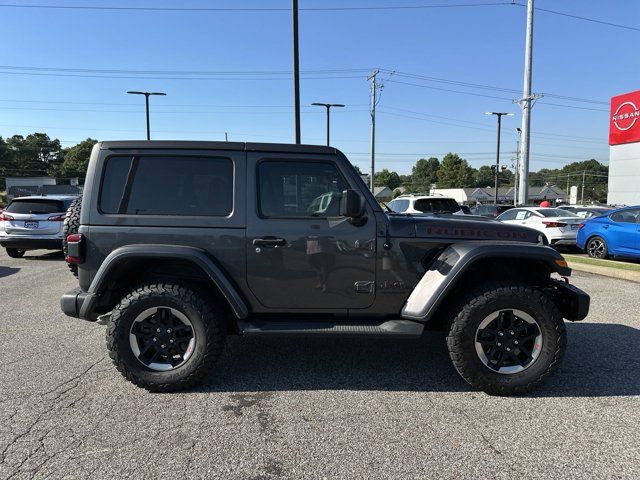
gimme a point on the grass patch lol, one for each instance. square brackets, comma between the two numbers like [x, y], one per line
[634, 267]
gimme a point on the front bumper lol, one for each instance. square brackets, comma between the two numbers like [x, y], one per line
[572, 302]
[78, 304]
[31, 242]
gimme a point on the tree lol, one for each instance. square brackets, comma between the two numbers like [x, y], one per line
[76, 159]
[424, 174]
[33, 155]
[483, 177]
[454, 172]
[385, 178]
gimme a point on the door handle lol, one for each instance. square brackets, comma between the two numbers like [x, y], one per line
[269, 242]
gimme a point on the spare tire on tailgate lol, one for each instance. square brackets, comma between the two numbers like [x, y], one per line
[71, 225]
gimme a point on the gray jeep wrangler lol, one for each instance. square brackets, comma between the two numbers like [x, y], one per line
[178, 244]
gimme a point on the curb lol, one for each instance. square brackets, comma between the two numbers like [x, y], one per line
[629, 275]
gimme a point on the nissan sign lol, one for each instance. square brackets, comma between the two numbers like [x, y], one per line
[624, 120]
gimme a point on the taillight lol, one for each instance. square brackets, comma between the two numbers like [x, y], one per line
[57, 218]
[5, 218]
[554, 224]
[75, 248]
[580, 226]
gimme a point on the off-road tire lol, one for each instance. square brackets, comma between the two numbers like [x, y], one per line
[591, 250]
[481, 302]
[15, 253]
[208, 324]
[71, 225]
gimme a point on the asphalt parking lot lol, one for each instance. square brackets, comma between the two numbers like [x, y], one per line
[308, 408]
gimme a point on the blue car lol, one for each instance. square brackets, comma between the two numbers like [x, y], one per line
[614, 234]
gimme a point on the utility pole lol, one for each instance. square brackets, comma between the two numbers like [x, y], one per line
[296, 72]
[515, 181]
[328, 107]
[497, 171]
[374, 90]
[226, 137]
[526, 102]
[146, 100]
[584, 172]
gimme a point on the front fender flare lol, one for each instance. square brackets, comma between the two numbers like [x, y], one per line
[456, 259]
[191, 254]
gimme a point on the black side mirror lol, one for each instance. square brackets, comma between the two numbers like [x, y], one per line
[352, 204]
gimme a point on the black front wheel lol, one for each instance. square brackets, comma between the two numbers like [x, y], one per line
[15, 253]
[165, 337]
[506, 339]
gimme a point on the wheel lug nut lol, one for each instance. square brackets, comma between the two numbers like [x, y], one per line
[158, 330]
[172, 341]
[163, 346]
[168, 330]
[499, 344]
[501, 334]
[155, 339]
[508, 349]
[511, 332]
[516, 342]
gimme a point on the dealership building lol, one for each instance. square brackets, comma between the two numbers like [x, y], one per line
[624, 150]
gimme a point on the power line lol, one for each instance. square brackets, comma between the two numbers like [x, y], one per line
[249, 9]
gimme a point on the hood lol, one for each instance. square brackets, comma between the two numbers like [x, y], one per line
[458, 227]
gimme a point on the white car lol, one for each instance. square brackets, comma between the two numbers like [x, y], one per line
[417, 204]
[30, 223]
[560, 227]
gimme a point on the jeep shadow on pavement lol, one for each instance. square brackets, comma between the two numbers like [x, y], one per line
[177, 245]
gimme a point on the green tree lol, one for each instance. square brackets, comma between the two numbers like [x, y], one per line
[385, 178]
[76, 159]
[424, 174]
[454, 172]
[483, 177]
[33, 155]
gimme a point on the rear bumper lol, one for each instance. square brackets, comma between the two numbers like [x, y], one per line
[78, 304]
[31, 242]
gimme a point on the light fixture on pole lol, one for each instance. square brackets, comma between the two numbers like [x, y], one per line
[146, 98]
[497, 171]
[328, 107]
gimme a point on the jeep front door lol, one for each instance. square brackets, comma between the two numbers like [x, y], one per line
[301, 254]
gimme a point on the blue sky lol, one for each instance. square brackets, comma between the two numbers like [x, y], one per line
[482, 45]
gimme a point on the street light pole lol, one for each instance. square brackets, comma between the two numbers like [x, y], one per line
[328, 107]
[296, 73]
[146, 101]
[499, 115]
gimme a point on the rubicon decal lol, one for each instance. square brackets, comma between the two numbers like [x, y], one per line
[624, 121]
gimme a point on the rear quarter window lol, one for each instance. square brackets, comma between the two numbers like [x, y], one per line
[167, 185]
[36, 206]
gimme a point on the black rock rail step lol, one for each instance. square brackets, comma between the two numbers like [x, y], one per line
[398, 328]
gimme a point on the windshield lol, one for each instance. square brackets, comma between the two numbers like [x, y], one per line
[36, 206]
[555, 212]
[440, 205]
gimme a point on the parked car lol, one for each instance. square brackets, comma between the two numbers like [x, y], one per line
[35, 222]
[588, 211]
[615, 234]
[490, 211]
[558, 226]
[175, 253]
[418, 204]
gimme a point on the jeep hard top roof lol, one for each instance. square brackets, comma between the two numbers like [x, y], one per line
[207, 145]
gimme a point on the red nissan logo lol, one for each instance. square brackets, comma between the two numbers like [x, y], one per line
[626, 116]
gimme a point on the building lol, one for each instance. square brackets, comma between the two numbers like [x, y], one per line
[382, 194]
[624, 150]
[472, 196]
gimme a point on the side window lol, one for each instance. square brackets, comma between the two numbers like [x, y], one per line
[510, 215]
[171, 185]
[399, 206]
[299, 189]
[626, 216]
[522, 215]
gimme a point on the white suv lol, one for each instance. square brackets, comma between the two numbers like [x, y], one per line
[30, 223]
[417, 204]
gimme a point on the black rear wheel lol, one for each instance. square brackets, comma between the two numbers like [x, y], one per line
[165, 337]
[506, 339]
[597, 248]
[15, 252]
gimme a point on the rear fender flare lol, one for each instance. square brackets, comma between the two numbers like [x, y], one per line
[456, 259]
[191, 254]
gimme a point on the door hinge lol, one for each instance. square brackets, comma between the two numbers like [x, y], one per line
[364, 286]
